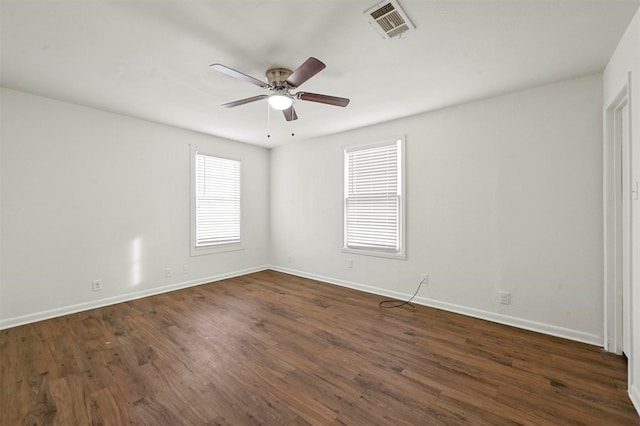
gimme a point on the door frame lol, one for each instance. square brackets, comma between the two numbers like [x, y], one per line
[613, 221]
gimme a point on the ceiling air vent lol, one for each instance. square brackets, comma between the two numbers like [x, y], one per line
[389, 19]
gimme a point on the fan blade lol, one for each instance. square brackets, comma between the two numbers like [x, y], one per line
[290, 114]
[244, 101]
[308, 69]
[323, 99]
[237, 74]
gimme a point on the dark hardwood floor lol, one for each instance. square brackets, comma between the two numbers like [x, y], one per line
[274, 349]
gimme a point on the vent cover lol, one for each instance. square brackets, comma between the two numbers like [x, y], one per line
[389, 19]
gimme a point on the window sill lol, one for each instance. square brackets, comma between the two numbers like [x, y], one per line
[199, 251]
[364, 252]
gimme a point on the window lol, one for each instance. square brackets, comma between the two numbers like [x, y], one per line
[373, 199]
[215, 204]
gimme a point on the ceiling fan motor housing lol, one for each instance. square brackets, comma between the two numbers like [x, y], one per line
[277, 77]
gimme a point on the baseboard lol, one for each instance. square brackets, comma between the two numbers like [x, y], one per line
[634, 395]
[539, 327]
[464, 310]
[71, 309]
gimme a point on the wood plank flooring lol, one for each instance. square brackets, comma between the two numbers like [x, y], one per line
[274, 349]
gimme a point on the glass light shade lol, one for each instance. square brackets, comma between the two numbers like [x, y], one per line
[280, 102]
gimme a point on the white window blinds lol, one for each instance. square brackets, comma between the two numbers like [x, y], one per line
[373, 198]
[217, 193]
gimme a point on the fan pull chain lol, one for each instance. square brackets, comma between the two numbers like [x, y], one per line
[268, 120]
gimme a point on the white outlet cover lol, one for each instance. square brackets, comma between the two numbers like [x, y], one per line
[96, 285]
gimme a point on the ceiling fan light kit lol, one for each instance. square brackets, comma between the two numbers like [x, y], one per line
[280, 101]
[280, 82]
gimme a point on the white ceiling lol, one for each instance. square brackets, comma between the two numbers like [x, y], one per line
[150, 59]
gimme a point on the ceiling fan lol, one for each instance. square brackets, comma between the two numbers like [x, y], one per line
[281, 82]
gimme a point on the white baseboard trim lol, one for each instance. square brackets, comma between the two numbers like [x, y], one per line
[464, 310]
[634, 395]
[539, 327]
[72, 309]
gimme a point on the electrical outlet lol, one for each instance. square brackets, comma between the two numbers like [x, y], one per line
[424, 278]
[185, 269]
[505, 297]
[96, 285]
[349, 263]
[167, 273]
[289, 259]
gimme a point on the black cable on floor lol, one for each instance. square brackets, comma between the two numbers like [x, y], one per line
[396, 303]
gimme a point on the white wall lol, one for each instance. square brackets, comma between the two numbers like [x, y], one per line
[627, 59]
[503, 194]
[87, 195]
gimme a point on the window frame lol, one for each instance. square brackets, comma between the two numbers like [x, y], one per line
[401, 193]
[213, 248]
